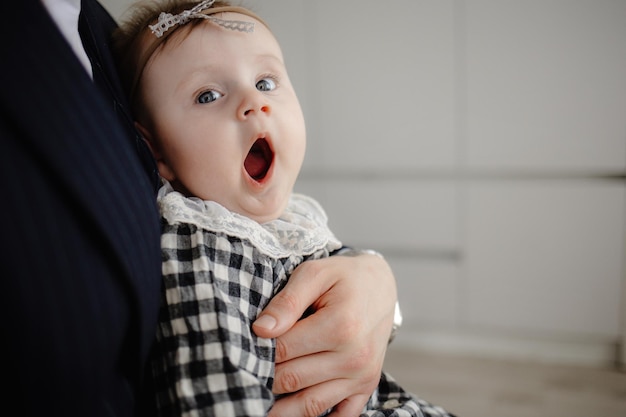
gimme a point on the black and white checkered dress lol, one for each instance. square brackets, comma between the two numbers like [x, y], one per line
[220, 270]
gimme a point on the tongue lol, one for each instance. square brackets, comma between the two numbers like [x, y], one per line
[255, 163]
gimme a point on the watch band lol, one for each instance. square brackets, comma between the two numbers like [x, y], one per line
[357, 252]
[397, 322]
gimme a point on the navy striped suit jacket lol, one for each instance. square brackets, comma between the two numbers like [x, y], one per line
[80, 257]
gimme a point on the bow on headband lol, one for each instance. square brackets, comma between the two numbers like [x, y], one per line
[168, 23]
[168, 20]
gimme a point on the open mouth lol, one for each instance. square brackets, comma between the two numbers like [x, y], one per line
[259, 159]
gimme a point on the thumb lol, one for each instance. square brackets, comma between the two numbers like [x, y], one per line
[286, 308]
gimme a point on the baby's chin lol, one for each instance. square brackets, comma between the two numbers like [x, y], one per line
[263, 217]
[260, 208]
[261, 212]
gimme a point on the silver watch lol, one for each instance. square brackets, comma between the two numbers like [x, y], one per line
[357, 252]
[397, 322]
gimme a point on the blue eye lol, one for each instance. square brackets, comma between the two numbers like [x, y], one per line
[208, 96]
[266, 84]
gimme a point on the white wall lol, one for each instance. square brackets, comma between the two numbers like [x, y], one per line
[481, 145]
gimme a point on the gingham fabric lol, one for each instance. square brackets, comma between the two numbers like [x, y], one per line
[208, 362]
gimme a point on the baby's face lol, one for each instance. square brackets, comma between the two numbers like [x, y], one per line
[223, 119]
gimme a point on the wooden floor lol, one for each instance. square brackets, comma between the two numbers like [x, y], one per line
[470, 387]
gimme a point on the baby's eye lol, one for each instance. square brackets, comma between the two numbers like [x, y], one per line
[208, 96]
[266, 84]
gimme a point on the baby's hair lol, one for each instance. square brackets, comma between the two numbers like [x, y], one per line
[130, 38]
[126, 39]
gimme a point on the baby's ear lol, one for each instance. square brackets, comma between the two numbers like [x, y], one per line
[162, 165]
[148, 139]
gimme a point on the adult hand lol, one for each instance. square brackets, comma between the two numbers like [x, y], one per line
[334, 356]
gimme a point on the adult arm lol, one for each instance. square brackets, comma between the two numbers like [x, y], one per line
[335, 355]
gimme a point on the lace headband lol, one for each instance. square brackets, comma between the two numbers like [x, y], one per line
[168, 20]
[168, 24]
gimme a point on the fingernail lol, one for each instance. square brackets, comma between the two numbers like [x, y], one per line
[266, 322]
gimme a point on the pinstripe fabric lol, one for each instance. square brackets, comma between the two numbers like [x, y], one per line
[80, 255]
[92, 24]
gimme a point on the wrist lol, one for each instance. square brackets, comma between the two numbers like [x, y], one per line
[397, 314]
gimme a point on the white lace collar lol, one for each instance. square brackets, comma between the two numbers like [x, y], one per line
[301, 230]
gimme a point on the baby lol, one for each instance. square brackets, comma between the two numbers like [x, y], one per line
[212, 98]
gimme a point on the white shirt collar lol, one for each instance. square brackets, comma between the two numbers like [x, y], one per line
[65, 15]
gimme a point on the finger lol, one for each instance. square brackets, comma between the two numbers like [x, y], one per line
[350, 407]
[304, 372]
[361, 369]
[307, 284]
[312, 401]
[304, 337]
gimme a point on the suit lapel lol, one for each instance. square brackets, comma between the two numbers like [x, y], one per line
[95, 26]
